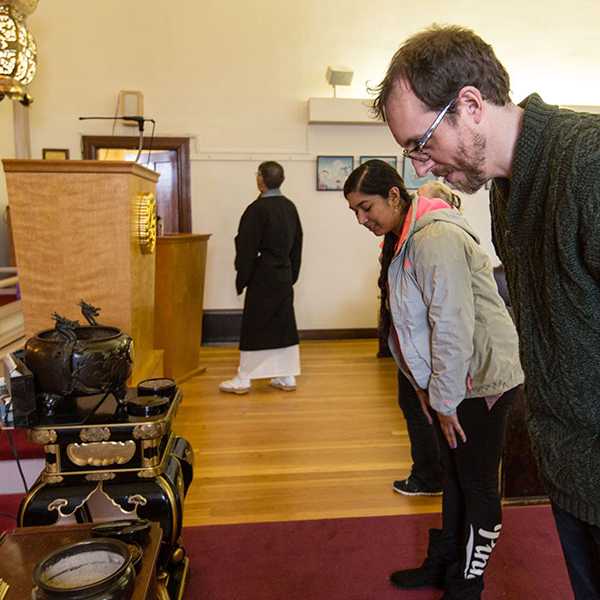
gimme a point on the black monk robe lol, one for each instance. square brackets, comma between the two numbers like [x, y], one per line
[268, 248]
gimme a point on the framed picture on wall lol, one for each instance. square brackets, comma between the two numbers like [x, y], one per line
[332, 172]
[391, 160]
[411, 180]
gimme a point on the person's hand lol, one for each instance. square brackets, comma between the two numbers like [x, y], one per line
[451, 426]
[425, 406]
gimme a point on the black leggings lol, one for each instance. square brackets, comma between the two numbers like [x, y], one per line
[424, 445]
[471, 510]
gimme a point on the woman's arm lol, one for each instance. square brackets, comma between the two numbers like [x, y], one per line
[444, 275]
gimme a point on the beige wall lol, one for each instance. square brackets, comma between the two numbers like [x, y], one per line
[236, 75]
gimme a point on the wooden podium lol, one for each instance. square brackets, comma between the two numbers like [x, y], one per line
[76, 227]
[180, 269]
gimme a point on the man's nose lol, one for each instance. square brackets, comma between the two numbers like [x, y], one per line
[422, 168]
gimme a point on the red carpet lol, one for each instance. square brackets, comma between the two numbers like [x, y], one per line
[350, 559]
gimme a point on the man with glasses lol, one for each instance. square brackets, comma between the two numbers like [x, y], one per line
[446, 100]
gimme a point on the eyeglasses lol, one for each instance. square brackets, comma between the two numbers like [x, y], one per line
[416, 153]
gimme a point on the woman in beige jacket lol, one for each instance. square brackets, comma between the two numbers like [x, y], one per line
[454, 339]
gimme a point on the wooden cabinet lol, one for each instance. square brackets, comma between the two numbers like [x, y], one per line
[180, 274]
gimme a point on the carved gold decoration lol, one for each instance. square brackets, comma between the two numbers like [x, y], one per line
[102, 476]
[149, 473]
[101, 454]
[146, 222]
[95, 434]
[184, 577]
[52, 478]
[162, 580]
[138, 500]
[59, 503]
[42, 436]
[188, 456]
[148, 431]
[18, 50]
[178, 555]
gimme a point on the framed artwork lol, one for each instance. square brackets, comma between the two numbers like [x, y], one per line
[332, 172]
[55, 153]
[411, 180]
[391, 160]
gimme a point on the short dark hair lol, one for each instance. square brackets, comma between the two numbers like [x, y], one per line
[438, 62]
[272, 174]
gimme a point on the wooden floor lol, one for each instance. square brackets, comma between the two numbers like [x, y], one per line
[330, 449]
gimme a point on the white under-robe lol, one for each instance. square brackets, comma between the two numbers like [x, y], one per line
[264, 364]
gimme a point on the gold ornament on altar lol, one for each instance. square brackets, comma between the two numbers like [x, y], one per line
[18, 50]
[146, 222]
[101, 454]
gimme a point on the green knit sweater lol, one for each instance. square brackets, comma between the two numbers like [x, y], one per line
[546, 227]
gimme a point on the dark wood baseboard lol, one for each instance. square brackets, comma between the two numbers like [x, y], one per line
[337, 334]
[222, 326]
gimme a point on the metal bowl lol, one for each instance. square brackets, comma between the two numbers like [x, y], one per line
[96, 569]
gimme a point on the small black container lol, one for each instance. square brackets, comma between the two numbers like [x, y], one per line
[148, 406]
[96, 569]
[160, 386]
[126, 530]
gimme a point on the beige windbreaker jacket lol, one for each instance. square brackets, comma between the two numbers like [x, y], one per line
[453, 334]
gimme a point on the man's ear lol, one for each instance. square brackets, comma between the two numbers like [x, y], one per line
[471, 103]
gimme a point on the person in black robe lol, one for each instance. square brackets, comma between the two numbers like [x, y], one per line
[268, 253]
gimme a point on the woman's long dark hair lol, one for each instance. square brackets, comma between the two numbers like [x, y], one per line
[377, 177]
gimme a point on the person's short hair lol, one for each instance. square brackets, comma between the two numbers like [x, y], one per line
[436, 189]
[271, 173]
[438, 62]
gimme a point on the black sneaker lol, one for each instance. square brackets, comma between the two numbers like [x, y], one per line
[413, 487]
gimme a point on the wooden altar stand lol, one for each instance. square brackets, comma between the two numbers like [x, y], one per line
[180, 270]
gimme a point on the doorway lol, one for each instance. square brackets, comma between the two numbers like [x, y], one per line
[169, 156]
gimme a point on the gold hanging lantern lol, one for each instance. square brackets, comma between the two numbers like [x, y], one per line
[18, 51]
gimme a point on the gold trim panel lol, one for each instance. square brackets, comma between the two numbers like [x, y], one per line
[95, 434]
[149, 431]
[101, 454]
[42, 436]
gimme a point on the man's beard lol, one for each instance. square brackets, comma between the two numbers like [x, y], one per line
[470, 164]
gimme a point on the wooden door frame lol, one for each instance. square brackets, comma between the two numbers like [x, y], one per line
[91, 143]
